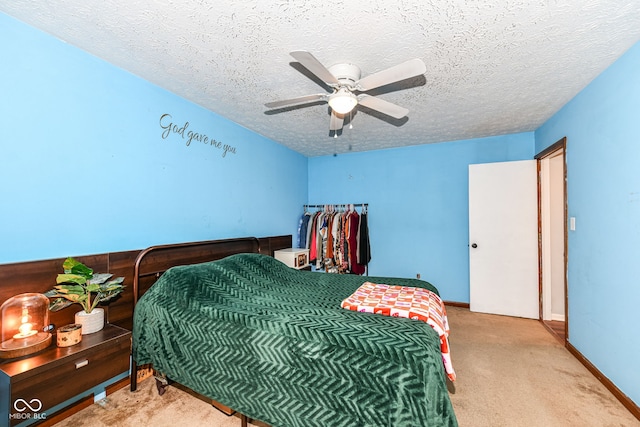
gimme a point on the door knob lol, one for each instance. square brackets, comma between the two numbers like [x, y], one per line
[473, 245]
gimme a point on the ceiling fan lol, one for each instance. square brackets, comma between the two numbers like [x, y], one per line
[347, 87]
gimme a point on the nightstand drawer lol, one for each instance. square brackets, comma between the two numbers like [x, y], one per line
[77, 374]
[58, 374]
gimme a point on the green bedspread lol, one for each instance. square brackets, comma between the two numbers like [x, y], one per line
[273, 343]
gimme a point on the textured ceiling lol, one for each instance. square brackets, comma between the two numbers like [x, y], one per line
[493, 67]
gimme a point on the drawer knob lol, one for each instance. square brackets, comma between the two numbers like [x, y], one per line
[81, 363]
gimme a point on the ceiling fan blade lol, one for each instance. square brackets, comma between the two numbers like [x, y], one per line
[312, 64]
[385, 107]
[406, 70]
[295, 101]
[336, 121]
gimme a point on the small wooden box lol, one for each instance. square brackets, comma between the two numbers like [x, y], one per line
[293, 257]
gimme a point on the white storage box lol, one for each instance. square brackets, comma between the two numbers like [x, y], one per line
[293, 257]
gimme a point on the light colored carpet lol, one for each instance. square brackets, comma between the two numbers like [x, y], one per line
[511, 372]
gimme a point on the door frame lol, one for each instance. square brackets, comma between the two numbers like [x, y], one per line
[547, 153]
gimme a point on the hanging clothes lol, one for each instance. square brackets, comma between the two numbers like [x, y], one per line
[313, 240]
[364, 248]
[354, 266]
[329, 244]
[343, 249]
[321, 240]
[302, 229]
[309, 231]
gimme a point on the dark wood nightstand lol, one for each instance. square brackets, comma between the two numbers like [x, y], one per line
[32, 385]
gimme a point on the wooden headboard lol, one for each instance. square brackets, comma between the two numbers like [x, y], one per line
[154, 261]
[40, 276]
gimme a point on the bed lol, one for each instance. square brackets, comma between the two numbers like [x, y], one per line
[273, 343]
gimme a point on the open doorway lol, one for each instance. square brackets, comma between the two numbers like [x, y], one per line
[552, 213]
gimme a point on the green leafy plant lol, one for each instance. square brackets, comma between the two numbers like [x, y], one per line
[78, 284]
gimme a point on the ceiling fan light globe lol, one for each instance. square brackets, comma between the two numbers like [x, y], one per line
[343, 101]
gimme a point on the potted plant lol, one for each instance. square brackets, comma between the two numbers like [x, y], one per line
[78, 284]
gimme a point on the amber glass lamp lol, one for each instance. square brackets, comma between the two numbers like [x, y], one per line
[25, 325]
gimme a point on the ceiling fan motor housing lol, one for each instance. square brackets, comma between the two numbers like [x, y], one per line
[347, 74]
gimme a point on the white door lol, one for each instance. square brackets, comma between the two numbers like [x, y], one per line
[503, 238]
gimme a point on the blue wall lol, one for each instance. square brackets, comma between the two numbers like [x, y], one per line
[418, 203]
[602, 126]
[84, 167]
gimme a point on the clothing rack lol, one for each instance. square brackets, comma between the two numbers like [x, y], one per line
[337, 206]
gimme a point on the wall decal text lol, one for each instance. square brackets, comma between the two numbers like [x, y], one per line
[169, 127]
